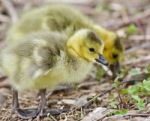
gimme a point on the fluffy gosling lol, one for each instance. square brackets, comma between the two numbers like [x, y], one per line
[45, 59]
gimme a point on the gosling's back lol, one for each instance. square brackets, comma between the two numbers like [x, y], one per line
[48, 18]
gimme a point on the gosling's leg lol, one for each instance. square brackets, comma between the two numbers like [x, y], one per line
[23, 113]
[42, 104]
[44, 111]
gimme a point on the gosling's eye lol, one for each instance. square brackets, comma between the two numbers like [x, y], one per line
[105, 49]
[91, 49]
[115, 55]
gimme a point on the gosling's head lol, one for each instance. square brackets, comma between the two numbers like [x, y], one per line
[113, 49]
[114, 53]
[86, 45]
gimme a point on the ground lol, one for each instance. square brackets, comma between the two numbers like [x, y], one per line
[96, 98]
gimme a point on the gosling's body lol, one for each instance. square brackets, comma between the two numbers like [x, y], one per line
[45, 59]
[37, 58]
[42, 61]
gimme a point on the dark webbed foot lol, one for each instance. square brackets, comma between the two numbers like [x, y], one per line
[27, 113]
[23, 113]
[41, 111]
[44, 111]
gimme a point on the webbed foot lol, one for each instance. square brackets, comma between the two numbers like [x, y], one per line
[23, 113]
[41, 111]
[27, 113]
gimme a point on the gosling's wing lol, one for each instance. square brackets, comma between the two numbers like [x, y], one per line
[38, 52]
[43, 47]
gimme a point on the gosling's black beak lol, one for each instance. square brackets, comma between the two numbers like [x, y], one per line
[115, 68]
[102, 60]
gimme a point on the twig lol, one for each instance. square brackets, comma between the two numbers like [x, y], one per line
[89, 3]
[133, 20]
[4, 18]
[126, 116]
[3, 78]
[97, 114]
[11, 10]
[87, 84]
[144, 45]
[138, 60]
[136, 115]
[107, 70]
[138, 78]
[53, 118]
[139, 37]
[4, 83]
[5, 86]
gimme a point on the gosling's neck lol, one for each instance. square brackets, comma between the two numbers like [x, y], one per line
[73, 45]
[73, 55]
